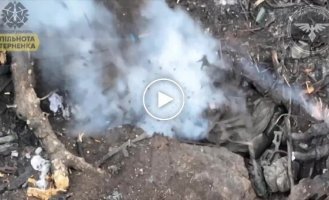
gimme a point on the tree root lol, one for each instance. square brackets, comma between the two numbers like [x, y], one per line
[28, 109]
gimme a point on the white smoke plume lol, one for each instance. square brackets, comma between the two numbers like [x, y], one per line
[106, 71]
[82, 46]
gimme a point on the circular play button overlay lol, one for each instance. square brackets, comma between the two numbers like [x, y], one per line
[163, 99]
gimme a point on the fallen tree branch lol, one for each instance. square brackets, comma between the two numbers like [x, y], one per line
[28, 108]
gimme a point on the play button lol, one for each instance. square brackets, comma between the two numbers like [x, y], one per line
[163, 99]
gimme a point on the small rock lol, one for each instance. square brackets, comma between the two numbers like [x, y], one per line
[38, 151]
[28, 155]
[224, 170]
[308, 188]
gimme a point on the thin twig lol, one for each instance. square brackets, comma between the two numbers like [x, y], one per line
[48, 95]
[251, 29]
[244, 11]
[11, 106]
[221, 50]
[278, 119]
[289, 144]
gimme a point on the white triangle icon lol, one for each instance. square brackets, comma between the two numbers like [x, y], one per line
[163, 99]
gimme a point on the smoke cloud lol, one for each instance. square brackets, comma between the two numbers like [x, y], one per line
[84, 50]
[106, 71]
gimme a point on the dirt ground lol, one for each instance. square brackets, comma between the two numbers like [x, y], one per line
[156, 168]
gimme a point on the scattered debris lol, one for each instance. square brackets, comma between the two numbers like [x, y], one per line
[56, 102]
[44, 188]
[28, 155]
[261, 15]
[115, 196]
[43, 166]
[122, 148]
[38, 151]
[14, 153]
